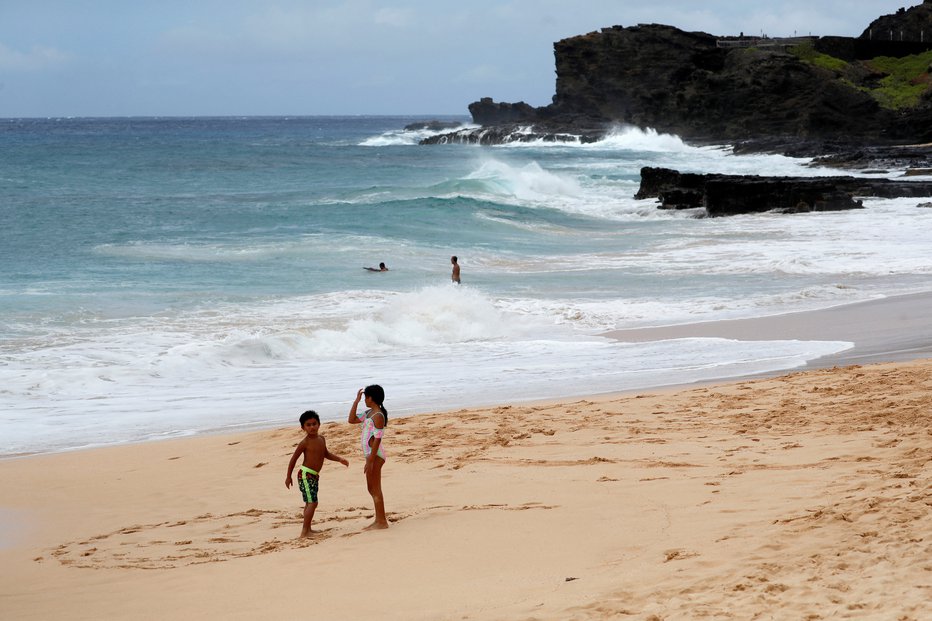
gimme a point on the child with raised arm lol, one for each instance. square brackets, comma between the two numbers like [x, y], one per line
[373, 422]
[314, 447]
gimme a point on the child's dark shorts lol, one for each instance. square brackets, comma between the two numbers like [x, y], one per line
[308, 483]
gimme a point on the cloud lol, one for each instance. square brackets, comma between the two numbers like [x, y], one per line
[290, 33]
[398, 18]
[479, 74]
[38, 58]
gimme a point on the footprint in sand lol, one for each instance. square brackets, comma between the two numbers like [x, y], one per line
[207, 538]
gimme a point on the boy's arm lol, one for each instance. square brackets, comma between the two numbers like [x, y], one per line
[333, 456]
[352, 412]
[291, 464]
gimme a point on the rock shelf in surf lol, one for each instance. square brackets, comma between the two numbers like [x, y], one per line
[726, 195]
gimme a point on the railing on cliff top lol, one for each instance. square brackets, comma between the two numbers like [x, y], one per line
[764, 41]
[848, 48]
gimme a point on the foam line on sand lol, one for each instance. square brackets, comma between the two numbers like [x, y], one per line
[888, 329]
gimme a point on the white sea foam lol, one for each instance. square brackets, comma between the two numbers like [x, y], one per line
[637, 139]
[527, 183]
[133, 403]
[262, 365]
[408, 137]
[669, 150]
[258, 308]
[600, 315]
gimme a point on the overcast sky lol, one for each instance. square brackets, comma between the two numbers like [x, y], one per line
[294, 57]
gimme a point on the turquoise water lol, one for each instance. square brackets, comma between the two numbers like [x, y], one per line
[171, 276]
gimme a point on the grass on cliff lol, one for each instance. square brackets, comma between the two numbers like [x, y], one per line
[905, 79]
[807, 53]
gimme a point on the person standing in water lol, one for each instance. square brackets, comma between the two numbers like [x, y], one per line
[456, 270]
[373, 422]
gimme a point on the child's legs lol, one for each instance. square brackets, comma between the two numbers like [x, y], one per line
[308, 485]
[374, 485]
[309, 509]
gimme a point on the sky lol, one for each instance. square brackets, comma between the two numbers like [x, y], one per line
[68, 58]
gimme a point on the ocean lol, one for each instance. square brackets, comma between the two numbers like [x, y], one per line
[162, 277]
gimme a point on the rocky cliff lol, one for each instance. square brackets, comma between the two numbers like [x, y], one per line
[685, 83]
[726, 89]
[914, 24]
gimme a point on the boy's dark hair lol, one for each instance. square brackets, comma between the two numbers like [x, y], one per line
[308, 415]
[377, 394]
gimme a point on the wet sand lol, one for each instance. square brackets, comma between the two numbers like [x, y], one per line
[884, 330]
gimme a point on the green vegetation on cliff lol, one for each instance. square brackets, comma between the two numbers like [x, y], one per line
[896, 83]
[807, 53]
[906, 79]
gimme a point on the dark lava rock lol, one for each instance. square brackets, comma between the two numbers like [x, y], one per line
[433, 125]
[725, 195]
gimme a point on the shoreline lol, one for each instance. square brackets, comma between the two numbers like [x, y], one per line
[908, 338]
[808, 493]
[889, 329]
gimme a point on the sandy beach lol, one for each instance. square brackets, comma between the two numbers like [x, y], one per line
[802, 496]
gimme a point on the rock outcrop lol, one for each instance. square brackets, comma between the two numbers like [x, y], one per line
[725, 195]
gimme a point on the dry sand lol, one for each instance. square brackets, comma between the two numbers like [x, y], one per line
[805, 496]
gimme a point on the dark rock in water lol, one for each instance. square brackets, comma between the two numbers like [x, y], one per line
[432, 125]
[487, 112]
[843, 155]
[914, 157]
[918, 172]
[725, 195]
[510, 132]
[675, 190]
[926, 205]
[679, 198]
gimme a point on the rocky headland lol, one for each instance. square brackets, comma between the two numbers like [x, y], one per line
[802, 91]
[861, 103]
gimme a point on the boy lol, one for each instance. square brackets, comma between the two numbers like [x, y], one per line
[314, 447]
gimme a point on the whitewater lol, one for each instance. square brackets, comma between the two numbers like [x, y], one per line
[168, 277]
